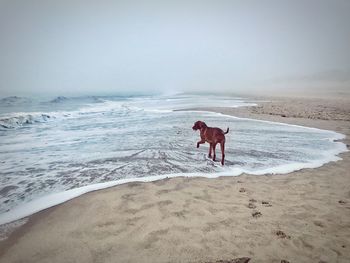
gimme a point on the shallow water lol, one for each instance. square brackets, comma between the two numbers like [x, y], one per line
[88, 142]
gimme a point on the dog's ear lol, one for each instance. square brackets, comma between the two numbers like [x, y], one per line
[202, 124]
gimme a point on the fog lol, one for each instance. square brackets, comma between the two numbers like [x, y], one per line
[123, 47]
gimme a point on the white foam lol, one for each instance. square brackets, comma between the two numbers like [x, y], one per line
[8, 228]
[51, 200]
[336, 135]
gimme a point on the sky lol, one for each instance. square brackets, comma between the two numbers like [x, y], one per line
[121, 47]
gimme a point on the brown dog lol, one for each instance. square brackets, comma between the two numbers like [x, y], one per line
[213, 136]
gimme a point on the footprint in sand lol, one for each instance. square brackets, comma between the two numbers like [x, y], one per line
[257, 214]
[318, 223]
[251, 206]
[281, 234]
[266, 204]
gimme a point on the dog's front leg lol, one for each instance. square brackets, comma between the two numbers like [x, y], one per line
[210, 148]
[214, 157]
[200, 142]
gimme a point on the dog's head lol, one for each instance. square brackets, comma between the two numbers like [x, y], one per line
[199, 125]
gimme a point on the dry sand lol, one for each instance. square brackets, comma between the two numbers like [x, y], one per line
[299, 217]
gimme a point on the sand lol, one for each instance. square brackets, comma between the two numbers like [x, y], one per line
[303, 216]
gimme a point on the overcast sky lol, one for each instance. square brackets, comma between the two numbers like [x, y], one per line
[111, 47]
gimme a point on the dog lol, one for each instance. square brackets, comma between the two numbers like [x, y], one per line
[213, 136]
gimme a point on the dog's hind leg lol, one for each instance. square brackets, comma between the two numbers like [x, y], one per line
[222, 145]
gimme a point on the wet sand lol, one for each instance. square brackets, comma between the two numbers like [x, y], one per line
[303, 216]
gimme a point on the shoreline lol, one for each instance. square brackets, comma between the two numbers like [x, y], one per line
[23, 212]
[341, 126]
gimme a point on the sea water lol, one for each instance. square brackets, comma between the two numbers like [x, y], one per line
[51, 151]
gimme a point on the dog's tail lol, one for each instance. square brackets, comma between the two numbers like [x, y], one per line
[228, 129]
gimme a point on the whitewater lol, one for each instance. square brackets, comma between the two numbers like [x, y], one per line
[54, 150]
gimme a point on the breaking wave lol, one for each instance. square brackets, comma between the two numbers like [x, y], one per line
[22, 119]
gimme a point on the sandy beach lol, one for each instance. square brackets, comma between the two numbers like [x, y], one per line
[303, 216]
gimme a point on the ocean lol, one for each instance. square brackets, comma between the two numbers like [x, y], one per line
[54, 150]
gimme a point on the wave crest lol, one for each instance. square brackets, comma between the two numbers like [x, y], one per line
[14, 100]
[23, 119]
[59, 99]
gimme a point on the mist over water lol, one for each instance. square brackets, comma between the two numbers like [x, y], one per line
[75, 142]
[118, 47]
